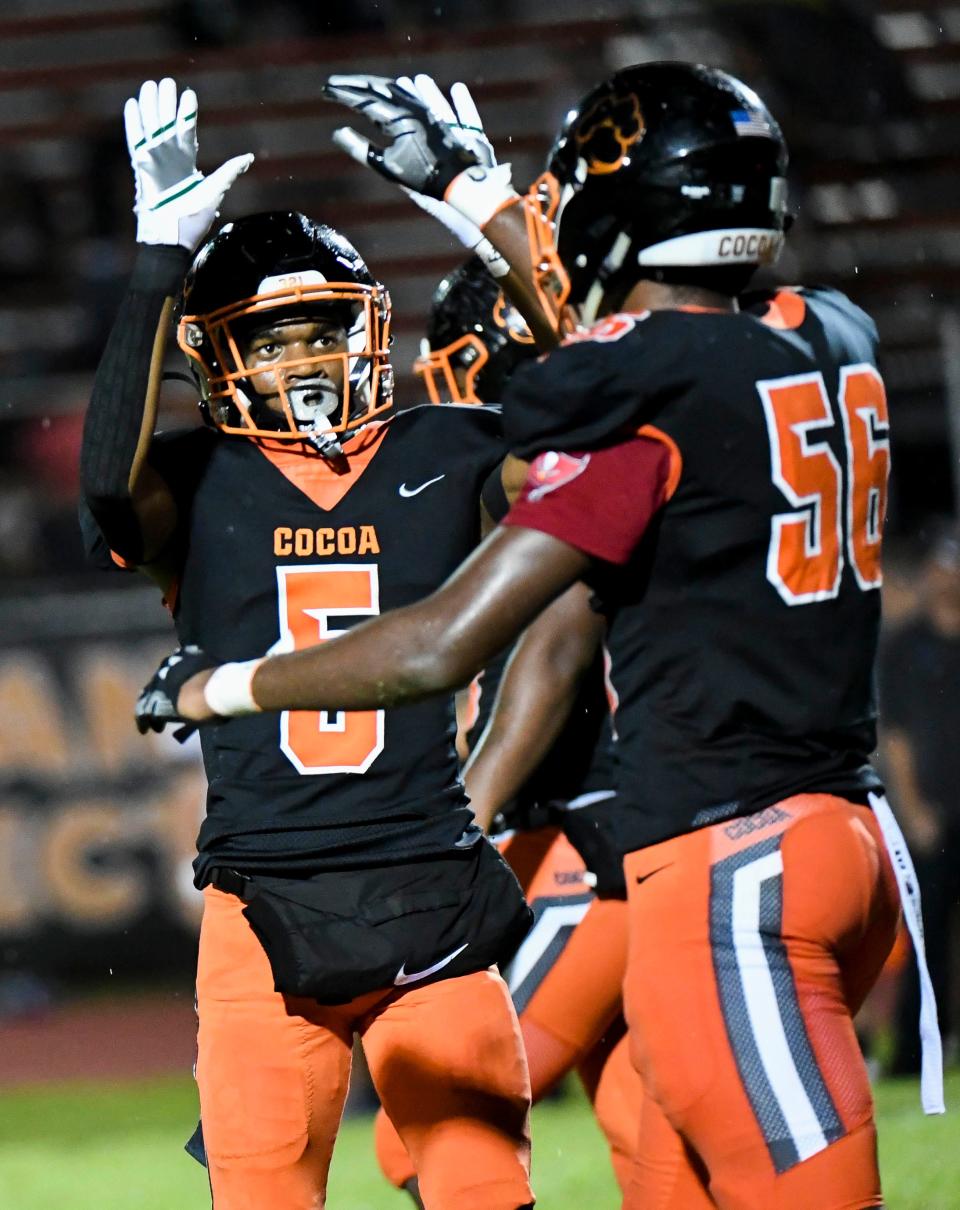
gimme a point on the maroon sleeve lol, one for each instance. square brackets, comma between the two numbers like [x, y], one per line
[600, 502]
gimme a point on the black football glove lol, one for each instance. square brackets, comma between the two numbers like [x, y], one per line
[157, 704]
[427, 148]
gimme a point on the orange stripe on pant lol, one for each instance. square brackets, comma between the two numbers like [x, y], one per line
[569, 993]
[752, 944]
[272, 1071]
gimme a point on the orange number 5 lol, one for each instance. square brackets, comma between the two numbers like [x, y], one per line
[805, 559]
[346, 741]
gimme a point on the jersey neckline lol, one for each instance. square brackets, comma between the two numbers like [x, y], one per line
[315, 476]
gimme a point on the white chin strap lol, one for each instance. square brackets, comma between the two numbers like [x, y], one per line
[360, 363]
[611, 263]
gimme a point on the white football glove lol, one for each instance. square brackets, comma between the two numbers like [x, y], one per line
[175, 203]
[435, 150]
[461, 118]
[465, 125]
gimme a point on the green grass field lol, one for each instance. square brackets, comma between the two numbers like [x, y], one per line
[90, 1147]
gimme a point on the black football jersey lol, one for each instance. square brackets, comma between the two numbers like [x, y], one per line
[277, 552]
[742, 632]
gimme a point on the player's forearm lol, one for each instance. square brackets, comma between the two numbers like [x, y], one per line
[536, 695]
[518, 737]
[507, 232]
[387, 662]
[122, 411]
[506, 756]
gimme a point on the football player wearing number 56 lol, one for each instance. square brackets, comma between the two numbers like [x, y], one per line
[715, 464]
[347, 890]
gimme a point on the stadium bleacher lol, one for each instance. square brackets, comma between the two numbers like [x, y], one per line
[877, 201]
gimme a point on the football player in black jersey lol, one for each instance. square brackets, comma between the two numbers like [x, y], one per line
[539, 775]
[347, 890]
[715, 464]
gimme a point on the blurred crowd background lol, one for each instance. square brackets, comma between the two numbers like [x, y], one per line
[96, 824]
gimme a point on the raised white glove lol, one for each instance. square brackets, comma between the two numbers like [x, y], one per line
[465, 124]
[423, 153]
[461, 118]
[433, 144]
[478, 192]
[175, 203]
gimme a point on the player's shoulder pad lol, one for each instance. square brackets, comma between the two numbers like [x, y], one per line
[181, 456]
[465, 436]
[193, 440]
[486, 415]
[180, 452]
[458, 422]
[802, 308]
[836, 308]
[599, 384]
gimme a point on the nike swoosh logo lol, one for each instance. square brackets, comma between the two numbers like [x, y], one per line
[415, 491]
[644, 877]
[414, 976]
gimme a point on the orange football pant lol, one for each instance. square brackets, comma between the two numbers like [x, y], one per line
[567, 983]
[446, 1059]
[752, 945]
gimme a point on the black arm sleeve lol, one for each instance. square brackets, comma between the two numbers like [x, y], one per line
[95, 546]
[115, 416]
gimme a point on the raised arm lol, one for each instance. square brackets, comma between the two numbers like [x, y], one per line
[438, 153]
[534, 701]
[175, 205]
[129, 501]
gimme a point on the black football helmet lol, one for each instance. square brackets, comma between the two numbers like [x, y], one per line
[270, 267]
[472, 328]
[664, 168]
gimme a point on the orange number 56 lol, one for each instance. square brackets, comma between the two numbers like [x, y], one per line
[311, 597]
[808, 543]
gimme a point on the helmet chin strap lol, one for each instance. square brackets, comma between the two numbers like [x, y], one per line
[326, 444]
[313, 418]
[613, 261]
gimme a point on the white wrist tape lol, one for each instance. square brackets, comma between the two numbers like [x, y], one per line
[229, 691]
[496, 265]
[478, 193]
